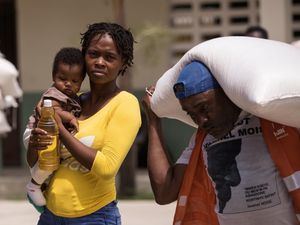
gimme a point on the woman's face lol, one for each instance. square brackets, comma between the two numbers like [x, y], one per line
[103, 61]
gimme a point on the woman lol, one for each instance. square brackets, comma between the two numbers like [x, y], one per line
[82, 191]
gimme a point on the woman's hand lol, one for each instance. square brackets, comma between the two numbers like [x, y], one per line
[39, 140]
[59, 122]
[58, 119]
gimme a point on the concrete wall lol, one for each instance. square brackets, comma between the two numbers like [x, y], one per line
[275, 17]
[46, 26]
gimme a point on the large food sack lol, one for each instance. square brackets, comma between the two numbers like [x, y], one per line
[260, 76]
[8, 78]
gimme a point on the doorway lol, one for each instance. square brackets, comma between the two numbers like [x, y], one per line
[11, 150]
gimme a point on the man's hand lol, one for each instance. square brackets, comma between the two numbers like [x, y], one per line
[151, 116]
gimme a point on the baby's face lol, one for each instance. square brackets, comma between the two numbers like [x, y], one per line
[68, 79]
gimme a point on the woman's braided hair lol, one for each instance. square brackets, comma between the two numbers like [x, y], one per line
[123, 39]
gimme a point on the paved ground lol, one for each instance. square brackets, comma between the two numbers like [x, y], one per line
[134, 212]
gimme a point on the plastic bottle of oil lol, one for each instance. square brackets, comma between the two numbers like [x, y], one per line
[49, 158]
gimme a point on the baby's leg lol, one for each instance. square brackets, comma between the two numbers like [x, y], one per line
[34, 191]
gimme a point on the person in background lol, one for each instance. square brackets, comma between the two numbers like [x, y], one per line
[234, 169]
[68, 72]
[296, 43]
[83, 190]
[257, 31]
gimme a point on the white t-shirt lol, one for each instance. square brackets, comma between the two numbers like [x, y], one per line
[248, 187]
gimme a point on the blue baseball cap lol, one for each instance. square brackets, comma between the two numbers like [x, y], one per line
[195, 78]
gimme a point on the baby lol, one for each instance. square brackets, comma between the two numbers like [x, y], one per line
[68, 72]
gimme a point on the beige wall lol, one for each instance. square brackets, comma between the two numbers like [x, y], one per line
[274, 16]
[148, 66]
[46, 26]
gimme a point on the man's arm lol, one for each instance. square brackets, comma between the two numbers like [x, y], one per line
[165, 178]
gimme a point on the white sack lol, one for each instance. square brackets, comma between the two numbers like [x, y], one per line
[4, 126]
[8, 79]
[260, 76]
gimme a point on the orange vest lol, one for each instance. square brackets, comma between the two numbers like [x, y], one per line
[196, 200]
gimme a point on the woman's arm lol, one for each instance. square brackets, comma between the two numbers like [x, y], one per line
[67, 117]
[119, 136]
[165, 178]
[36, 139]
[82, 153]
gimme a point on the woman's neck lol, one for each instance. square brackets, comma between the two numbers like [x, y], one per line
[96, 99]
[100, 93]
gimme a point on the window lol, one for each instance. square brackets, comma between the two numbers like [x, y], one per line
[296, 34]
[206, 37]
[296, 2]
[239, 20]
[181, 7]
[210, 20]
[183, 38]
[182, 21]
[296, 18]
[195, 21]
[238, 4]
[210, 5]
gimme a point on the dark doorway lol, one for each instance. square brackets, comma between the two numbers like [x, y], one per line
[142, 143]
[11, 150]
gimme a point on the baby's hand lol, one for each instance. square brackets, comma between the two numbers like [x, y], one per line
[74, 125]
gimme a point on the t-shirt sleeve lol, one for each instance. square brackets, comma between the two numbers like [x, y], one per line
[26, 137]
[125, 121]
[184, 158]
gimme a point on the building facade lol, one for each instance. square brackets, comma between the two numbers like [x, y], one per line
[41, 28]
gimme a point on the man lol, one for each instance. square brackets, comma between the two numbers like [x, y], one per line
[257, 31]
[226, 175]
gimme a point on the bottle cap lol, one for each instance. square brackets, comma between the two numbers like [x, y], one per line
[47, 103]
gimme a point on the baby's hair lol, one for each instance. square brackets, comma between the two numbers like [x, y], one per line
[69, 56]
[122, 37]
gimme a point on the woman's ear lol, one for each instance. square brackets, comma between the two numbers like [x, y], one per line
[122, 70]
